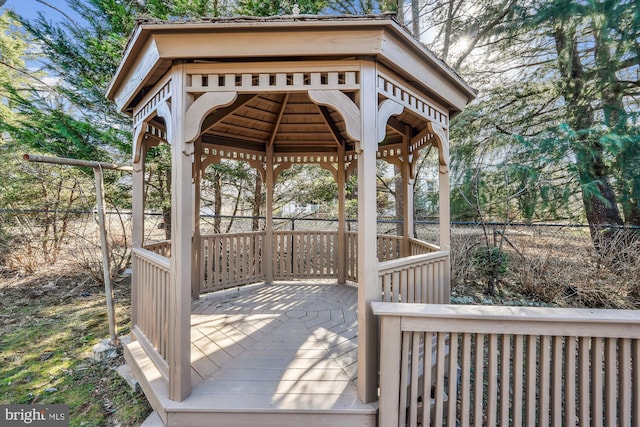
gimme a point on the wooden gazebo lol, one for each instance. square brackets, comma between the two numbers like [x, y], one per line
[340, 92]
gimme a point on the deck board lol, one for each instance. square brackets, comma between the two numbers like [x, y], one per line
[288, 347]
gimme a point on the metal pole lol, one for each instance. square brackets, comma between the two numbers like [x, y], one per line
[106, 262]
[74, 162]
[104, 241]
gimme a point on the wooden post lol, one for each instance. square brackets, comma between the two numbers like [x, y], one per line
[196, 246]
[443, 198]
[407, 183]
[268, 244]
[445, 216]
[104, 236]
[367, 234]
[137, 231]
[182, 219]
[342, 238]
[390, 355]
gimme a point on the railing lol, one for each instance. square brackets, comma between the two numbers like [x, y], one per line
[231, 260]
[418, 247]
[151, 305]
[416, 279]
[305, 254]
[389, 247]
[351, 238]
[161, 248]
[508, 366]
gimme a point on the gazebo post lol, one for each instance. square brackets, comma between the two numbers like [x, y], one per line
[137, 228]
[268, 244]
[442, 138]
[407, 188]
[445, 226]
[342, 238]
[367, 237]
[197, 255]
[182, 219]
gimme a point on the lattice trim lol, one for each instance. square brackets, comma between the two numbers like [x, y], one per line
[263, 82]
[233, 154]
[411, 100]
[149, 107]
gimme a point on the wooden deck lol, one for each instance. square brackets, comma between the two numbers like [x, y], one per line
[267, 355]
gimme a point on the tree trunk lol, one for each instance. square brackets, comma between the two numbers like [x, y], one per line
[415, 17]
[598, 196]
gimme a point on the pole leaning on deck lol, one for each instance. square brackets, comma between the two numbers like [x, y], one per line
[182, 205]
[100, 207]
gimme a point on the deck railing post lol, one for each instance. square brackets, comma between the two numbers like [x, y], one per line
[390, 345]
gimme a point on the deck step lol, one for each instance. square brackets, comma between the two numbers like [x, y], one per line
[153, 420]
[213, 407]
[269, 419]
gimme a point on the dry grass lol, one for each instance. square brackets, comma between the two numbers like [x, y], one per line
[53, 312]
[553, 266]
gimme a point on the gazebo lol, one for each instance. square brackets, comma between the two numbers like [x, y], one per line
[339, 92]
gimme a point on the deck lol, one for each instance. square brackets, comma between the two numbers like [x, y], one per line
[278, 355]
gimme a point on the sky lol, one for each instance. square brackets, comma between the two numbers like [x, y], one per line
[30, 8]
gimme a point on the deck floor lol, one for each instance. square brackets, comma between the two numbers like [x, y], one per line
[288, 346]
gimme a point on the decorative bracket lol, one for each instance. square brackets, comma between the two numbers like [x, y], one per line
[443, 145]
[138, 135]
[387, 108]
[202, 106]
[343, 105]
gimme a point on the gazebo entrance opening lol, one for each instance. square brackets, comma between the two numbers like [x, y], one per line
[232, 254]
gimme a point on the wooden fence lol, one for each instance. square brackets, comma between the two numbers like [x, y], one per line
[305, 254]
[237, 259]
[351, 238]
[150, 300]
[161, 248]
[389, 247]
[230, 260]
[508, 366]
[416, 279]
[419, 247]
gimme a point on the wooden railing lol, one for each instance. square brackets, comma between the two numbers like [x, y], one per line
[389, 247]
[150, 301]
[508, 366]
[231, 260]
[351, 238]
[418, 247]
[161, 248]
[305, 254]
[416, 279]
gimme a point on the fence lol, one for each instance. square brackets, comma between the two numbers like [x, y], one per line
[544, 260]
[150, 301]
[508, 366]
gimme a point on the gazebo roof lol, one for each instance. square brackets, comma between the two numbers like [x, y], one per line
[290, 120]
